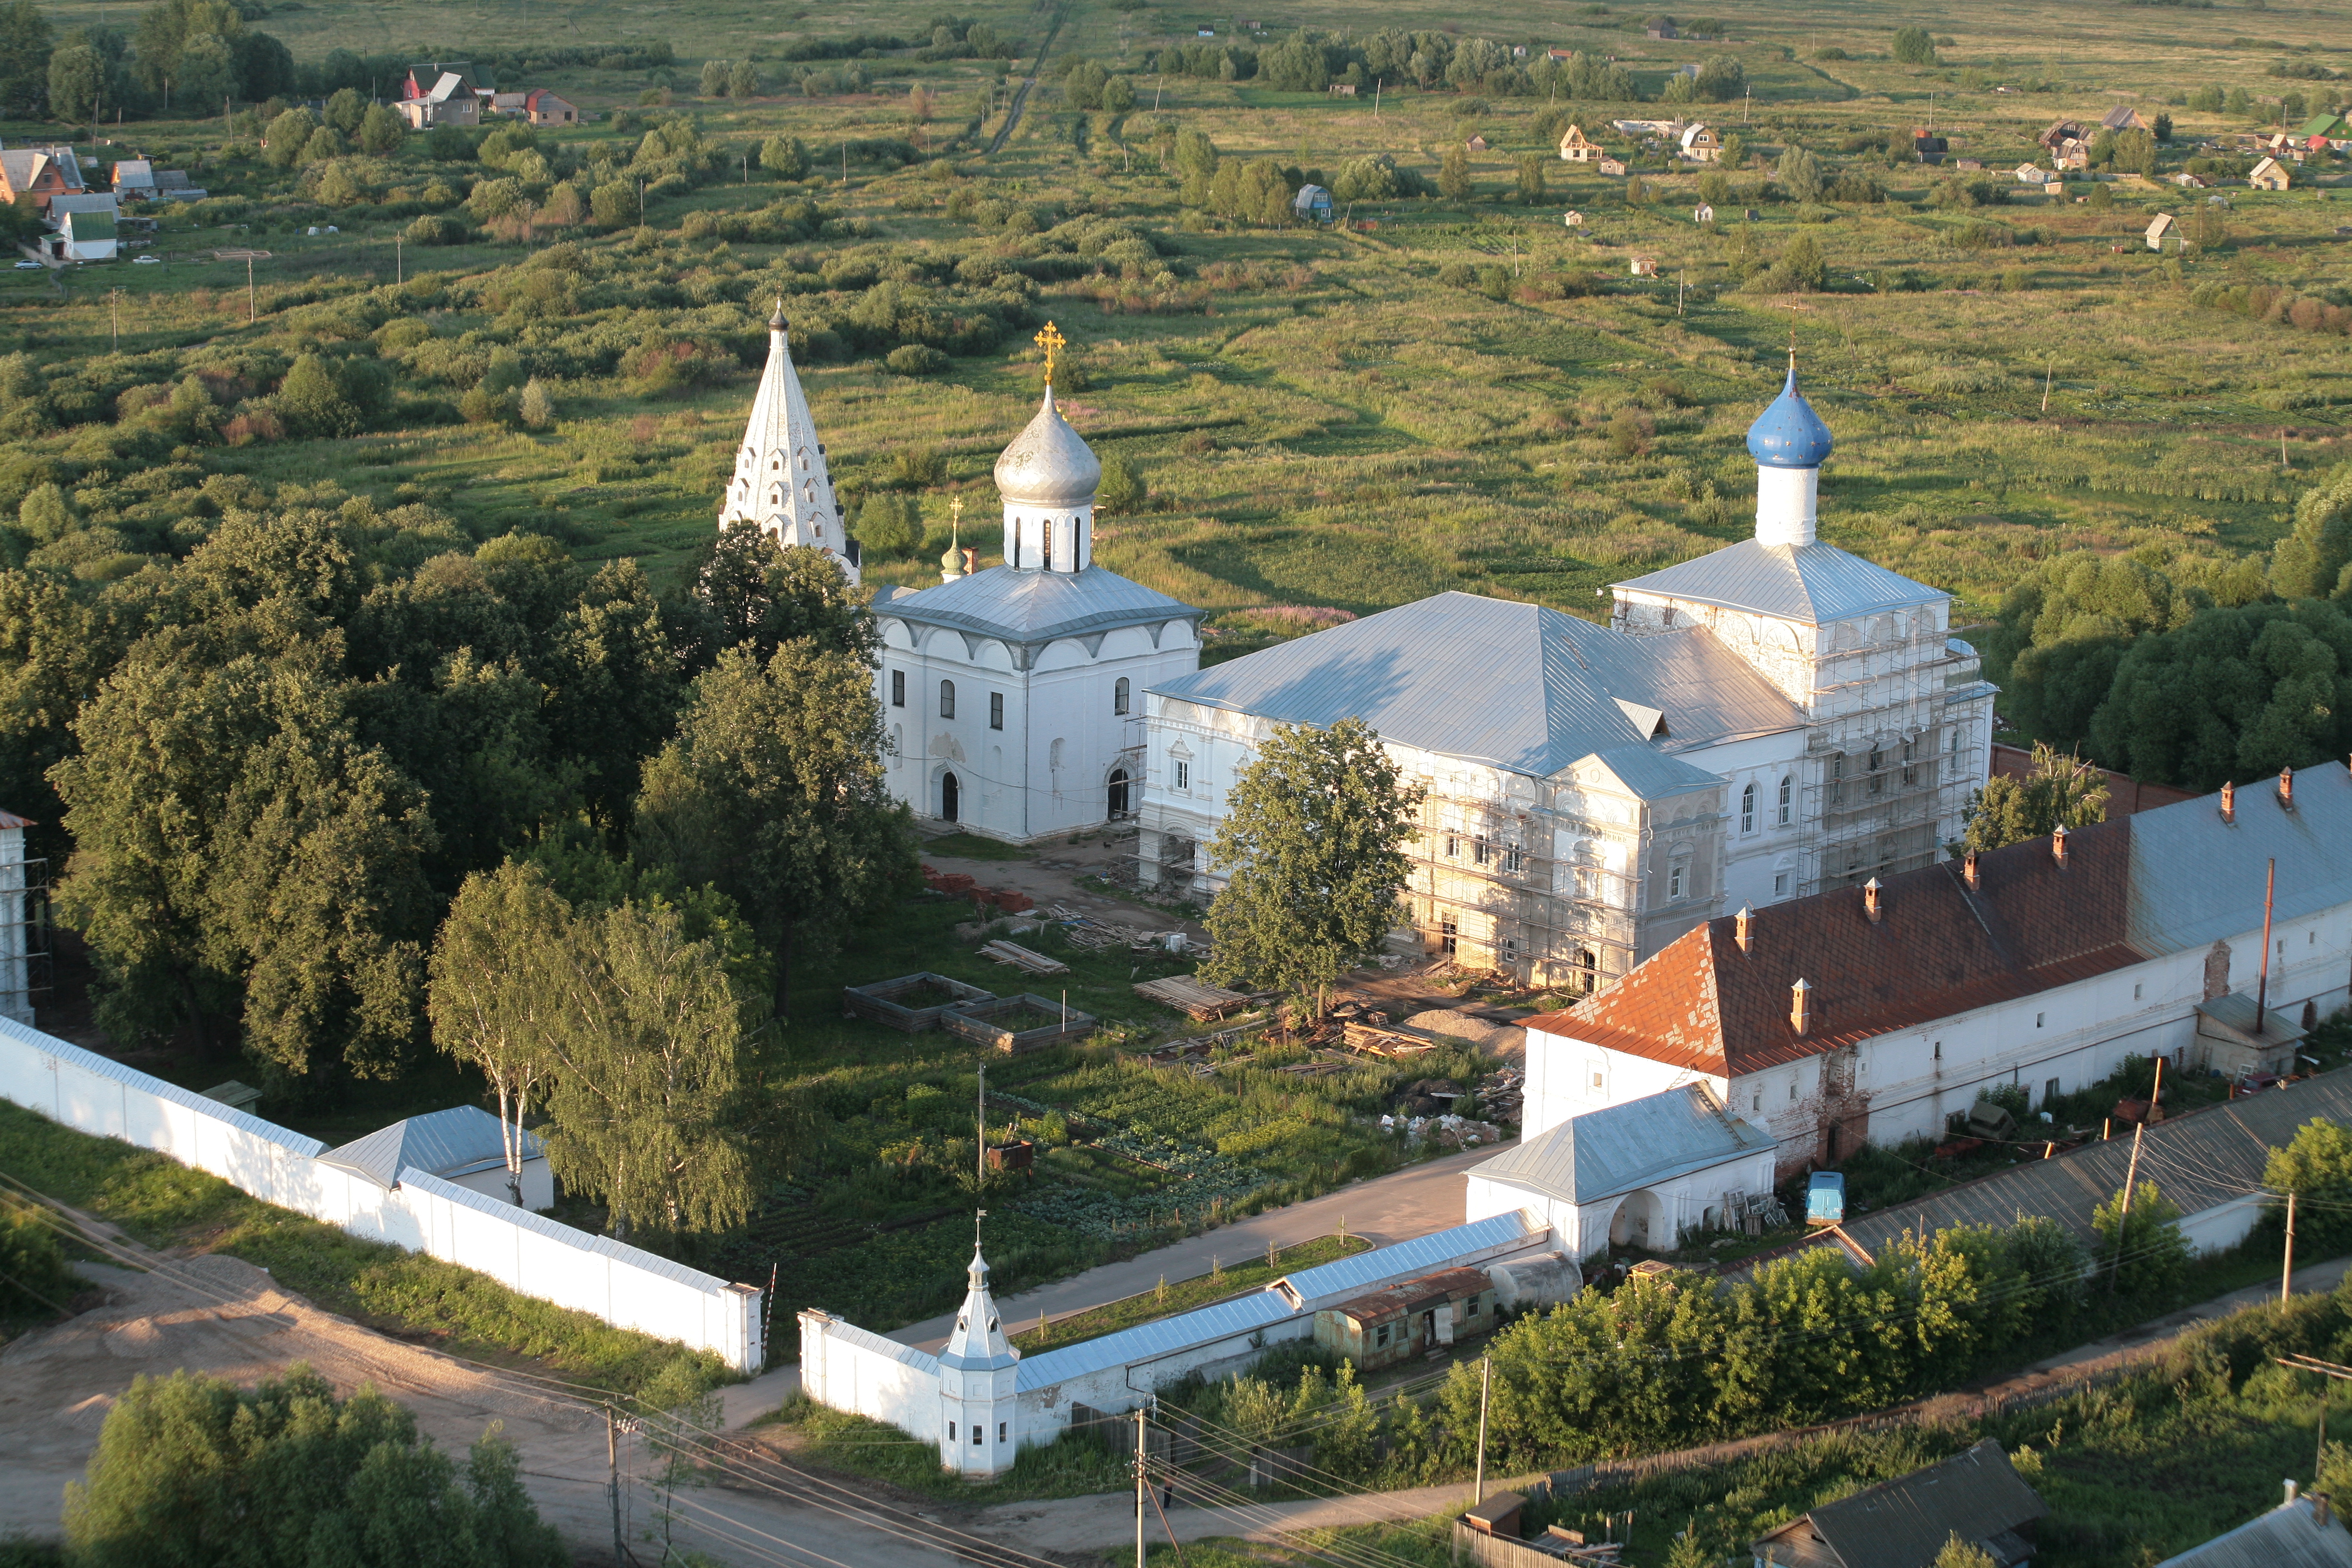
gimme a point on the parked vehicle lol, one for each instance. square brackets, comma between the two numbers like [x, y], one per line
[1825, 1198]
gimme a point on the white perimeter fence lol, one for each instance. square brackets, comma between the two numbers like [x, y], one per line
[523, 1251]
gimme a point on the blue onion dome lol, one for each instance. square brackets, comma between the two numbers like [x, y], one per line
[1790, 435]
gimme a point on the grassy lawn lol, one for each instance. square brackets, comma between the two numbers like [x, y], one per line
[1170, 1297]
[1073, 1467]
[166, 1204]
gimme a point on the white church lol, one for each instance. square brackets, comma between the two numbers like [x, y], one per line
[1772, 720]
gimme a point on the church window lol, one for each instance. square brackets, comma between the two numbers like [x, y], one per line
[1786, 791]
[946, 698]
[1452, 846]
[898, 688]
[999, 1431]
[950, 1431]
[1478, 851]
[1678, 879]
[1513, 860]
[996, 711]
[1183, 775]
[1837, 780]
[979, 1435]
[1910, 771]
[1747, 809]
[1119, 696]
[1877, 774]
[1589, 962]
[1780, 884]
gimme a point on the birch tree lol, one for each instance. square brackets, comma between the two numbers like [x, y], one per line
[493, 993]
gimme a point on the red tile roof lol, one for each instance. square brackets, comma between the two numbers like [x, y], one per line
[1939, 949]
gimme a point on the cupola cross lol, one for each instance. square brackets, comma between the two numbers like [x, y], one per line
[1052, 341]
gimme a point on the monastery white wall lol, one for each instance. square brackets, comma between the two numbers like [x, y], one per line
[844, 1367]
[523, 1251]
[1045, 1409]
[1047, 769]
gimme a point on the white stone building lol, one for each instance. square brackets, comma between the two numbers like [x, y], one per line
[1774, 718]
[1875, 1014]
[1013, 695]
[779, 481]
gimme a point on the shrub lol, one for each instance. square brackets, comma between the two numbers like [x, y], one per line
[433, 228]
[914, 359]
[34, 1279]
[1122, 488]
[1914, 47]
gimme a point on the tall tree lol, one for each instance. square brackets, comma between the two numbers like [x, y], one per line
[2315, 560]
[1312, 848]
[2057, 790]
[748, 590]
[494, 990]
[648, 1109]
[238, 850]
[774, 793]
[26, 41]
[2234, 694]
[190, 1469]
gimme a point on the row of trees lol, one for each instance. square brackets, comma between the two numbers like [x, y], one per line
[1311, 61]
[2226, 673]
[195, 54]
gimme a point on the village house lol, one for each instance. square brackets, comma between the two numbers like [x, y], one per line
[1701, 144]
[1877, 1014]
[536, 107]
[1613, 167]
[2270, 174]
[2160, 229]
[85, 226]
[1659, 27]
[1976, 1495]
[2033, 174]
[431, 95]
[1398, 1322]
[1576, 148]
[1476, 144]
[34, 176]
[2121, 117]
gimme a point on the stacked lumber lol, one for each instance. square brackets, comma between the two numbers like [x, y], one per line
[1193, 997]
[1023, 959]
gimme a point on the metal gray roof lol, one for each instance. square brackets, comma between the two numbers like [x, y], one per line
[2200, 1160]
[1810, 583]
[1517, 686]
[457, 1142]
[1035, 607]
[1976, 1494]
[2288, 1536]
[1461, 1246]
[1651, 775]
[2197, 880]
[504, 1212]
[1623, 1147]
[102, 1067]
[1149, 1341]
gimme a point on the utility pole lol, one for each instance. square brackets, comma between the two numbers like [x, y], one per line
[114, 309]
[1139, 1487]
[1486, 1383]
[980, 1170]
[613, 1483]
[399, 262]
[2286, 1268]
[1378, 83]
[250, 316]
[2123, 1221]
[2048, 370]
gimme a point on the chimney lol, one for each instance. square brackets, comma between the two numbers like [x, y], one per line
[1801, 1007]
[1870, 891]
[1969, 869]
[2058, 845]
[2229, 803]
[2286, 788]
[1743, 928]
[2290, 1489]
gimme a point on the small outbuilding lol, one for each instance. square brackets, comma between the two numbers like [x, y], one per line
[1573, 220]
[1703, 214]
[541, 107]
[1644, 267]
[2270, 174]
[1613, 167]
[2233, 1040]
[1400, 1321]
[2300, 1532]
[2158, 229]
[464, 1145]
[1312, 203]
[1976, 1495]
[1476, 143]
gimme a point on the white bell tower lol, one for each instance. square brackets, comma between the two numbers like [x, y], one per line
[780, 480]
[980, 1434]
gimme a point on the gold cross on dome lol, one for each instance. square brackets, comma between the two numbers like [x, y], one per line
[1052, 341]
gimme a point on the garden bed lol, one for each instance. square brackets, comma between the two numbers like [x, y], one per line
[1023, 1022]
[912, 1002]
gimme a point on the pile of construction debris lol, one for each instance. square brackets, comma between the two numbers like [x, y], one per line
[1446, 1131]
[1502, 1095]
[1087, 932]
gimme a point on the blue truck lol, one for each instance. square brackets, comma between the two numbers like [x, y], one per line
[1825, 1198]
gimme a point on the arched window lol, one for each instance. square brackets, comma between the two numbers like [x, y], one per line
[1118, 694]
[951, 797]
[1747, 809]
[1787, 788]
[946, 698]
[1119, 783]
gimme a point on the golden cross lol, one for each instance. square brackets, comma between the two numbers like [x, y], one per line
[1052, 341]
[955, 513]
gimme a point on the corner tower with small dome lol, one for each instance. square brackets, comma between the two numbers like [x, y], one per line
[980, 1434]
[1013, 692]
[779, 481]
